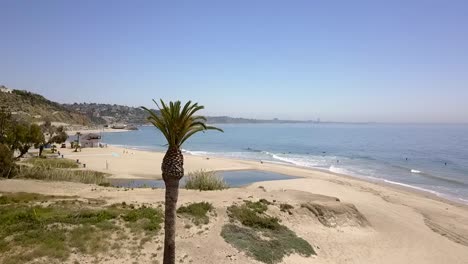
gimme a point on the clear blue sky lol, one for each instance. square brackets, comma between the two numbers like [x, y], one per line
[391, 61]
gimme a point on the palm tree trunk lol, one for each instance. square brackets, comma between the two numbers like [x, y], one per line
[172, 193]
[172, 171]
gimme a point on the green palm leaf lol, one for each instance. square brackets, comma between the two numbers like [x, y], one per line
[178, 123]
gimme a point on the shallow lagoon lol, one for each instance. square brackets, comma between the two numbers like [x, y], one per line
[232, 178]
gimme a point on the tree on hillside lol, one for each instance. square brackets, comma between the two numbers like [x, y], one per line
[18, 136]
[22, 137]
[7, 164]
[59, 136]
[52, 134]
[5, 124]
[177, 124]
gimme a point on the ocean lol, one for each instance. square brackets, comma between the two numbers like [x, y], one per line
[431, 158]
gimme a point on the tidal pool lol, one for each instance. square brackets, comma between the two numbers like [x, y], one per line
[232, 178]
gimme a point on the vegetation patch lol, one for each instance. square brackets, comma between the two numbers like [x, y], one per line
[23, 197]
[198, 212]
[205, 181]
[52, 163]
[30, 230]
[260, 235]
[251, 215]
[284, 207]
[51, 174]
[144, 219]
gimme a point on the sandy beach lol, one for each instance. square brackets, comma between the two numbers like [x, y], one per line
[403, 226]
[73, 131]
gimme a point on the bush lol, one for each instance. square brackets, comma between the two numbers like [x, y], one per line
[197, 211]
[269, 246]
[7, 164]
[260, 235]
[249, 214]
[205, 181]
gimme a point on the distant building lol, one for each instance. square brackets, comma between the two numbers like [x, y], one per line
[91, 140]
[4, 89]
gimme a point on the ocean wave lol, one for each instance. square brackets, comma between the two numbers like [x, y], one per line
[196, 153]
[414, 187]
[435, 177]
[253, 150]
[416, 172]
[133, 147]
[301, 161]
[340, 170]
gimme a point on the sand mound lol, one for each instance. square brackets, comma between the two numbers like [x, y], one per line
[335, 214]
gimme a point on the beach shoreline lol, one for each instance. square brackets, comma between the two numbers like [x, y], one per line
[419, 227]
[72, 132]
[246, 164]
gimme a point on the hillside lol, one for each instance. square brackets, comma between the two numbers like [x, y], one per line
[240, 120]
[121, 114]
[110, 113]
[32, 107]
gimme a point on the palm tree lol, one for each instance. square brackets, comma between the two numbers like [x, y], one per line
[78, 134]
[177, 124]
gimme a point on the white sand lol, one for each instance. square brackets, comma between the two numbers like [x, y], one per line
[405, 226]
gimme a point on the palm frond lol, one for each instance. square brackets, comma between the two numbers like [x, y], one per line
[178, 123]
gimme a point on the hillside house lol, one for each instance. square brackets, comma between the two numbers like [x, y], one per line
[4, 89]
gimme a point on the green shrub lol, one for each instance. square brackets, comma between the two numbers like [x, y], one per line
[197, 211]
[205, 181]
[261, 236]
[268, 246]
[144, 219]
[259, 207]
[250, 215]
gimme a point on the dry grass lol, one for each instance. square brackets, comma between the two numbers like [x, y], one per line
[49, 174]
[205, 181]
[52, 163]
